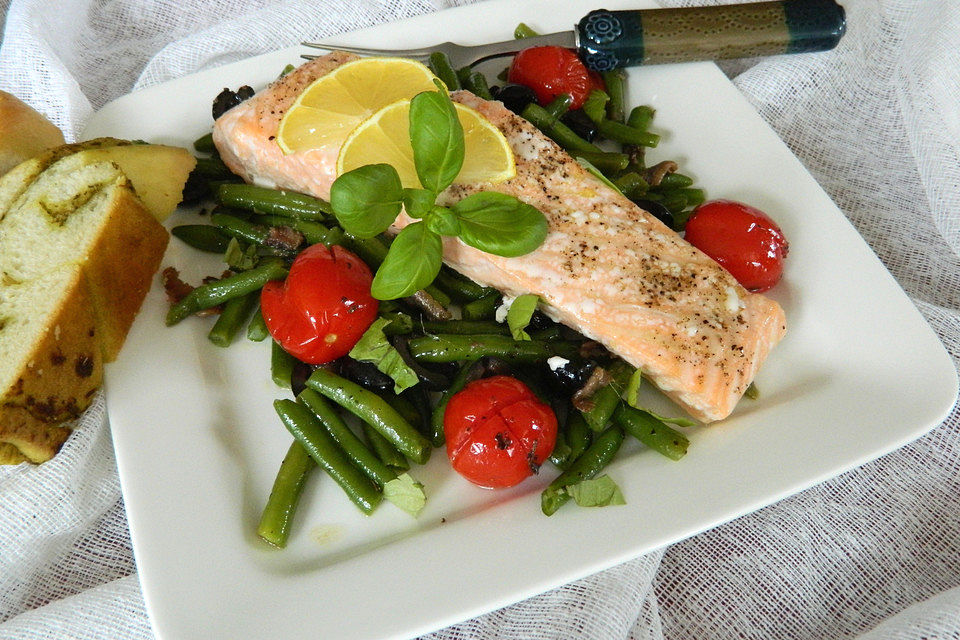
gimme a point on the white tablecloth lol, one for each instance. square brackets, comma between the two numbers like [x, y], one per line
[873, 554]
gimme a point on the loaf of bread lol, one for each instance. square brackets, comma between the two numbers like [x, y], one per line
[78, 251]
[24, 132]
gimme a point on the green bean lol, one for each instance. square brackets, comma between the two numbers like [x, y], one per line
[620, 132]
[272, 201]
[240, 229]
[631, 184]
[257, 329]
[218, 292]
[440, 65]
[336, 235]
[694, 197]
[482, 309]
[476, 83]
[559, 105]
[586, 466]
[204, 144]
[641, 117]
[430, 305]
[459, 287]
[436, 418]
[605, 161]
[388, 454]
[328, 455]
[358, 452]
[313, 232]
[524, 31]
[616, 87]
[371, 250]
[605, 400]
[213, 168]
[204, 237]
[652, 432]
[561, 450]
[464, 327]
[438, 294]
[419, 397]
[546, 334]
[561, 133]
[281, 366]
[674, 200]
[675, 181]
[405, 408]
[278, 513]
[373, 410]
[463, 75]
[400, 323]
[579, 435]
[235, 312]
[454, 348]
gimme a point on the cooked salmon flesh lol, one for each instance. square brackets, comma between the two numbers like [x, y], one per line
[607, 268]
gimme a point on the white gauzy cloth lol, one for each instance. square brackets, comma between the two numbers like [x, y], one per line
[873, 554]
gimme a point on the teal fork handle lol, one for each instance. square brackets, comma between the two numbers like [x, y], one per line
[612, 39]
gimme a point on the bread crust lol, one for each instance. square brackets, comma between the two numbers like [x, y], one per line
[36, 440]
[64, 367]
[120, 265]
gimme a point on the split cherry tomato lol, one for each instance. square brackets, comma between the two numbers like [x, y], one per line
[550, 71]
[323, 307]
[744, 240]
[498, 432]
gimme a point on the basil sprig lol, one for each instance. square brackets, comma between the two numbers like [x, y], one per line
[367, 200]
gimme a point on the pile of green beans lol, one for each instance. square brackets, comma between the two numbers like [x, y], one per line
[392, 431]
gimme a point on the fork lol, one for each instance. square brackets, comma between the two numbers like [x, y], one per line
[607, 40]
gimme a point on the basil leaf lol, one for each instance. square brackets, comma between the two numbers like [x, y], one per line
[437, 139]
[240, 258]
[418, 202]
[595, 106]
[374, 347]
[586, 164]
[500, 224]
[367, 200]
[596, 492]
[443, 222]
[631, 395]
[413, 261]
[406, 493]
[519, 314]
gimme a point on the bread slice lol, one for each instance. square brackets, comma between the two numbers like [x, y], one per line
[86, 214]
[78, 251]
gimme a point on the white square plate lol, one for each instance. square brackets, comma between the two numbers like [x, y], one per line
[859, 374]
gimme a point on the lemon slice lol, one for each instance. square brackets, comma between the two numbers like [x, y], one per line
[385, 138]
[330, 108]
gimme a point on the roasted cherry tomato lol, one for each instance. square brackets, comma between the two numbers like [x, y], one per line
[498, 432]
[550, 71]
[323, 307]
[744, 240]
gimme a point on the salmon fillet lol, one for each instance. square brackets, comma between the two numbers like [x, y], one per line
[607, 268]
